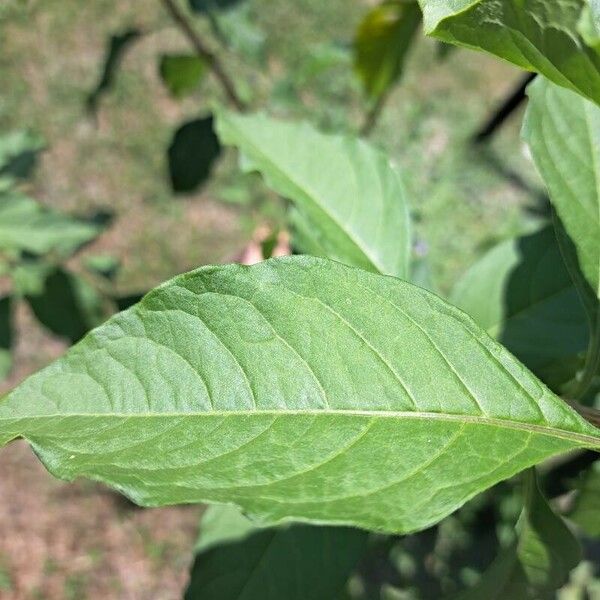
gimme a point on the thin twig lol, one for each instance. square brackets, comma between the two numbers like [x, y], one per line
[508, 106]
[205, 54]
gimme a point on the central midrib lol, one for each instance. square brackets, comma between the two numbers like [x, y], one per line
[588, 441]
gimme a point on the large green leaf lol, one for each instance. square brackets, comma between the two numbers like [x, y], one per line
[563, 132]
[522, 294]
[537, 35]
[298, 388]
[539, 560]
[382, 42]
[25, 225]
[236, 560]
[351, 199]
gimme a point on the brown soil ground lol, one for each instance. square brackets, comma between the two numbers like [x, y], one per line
[77, 541]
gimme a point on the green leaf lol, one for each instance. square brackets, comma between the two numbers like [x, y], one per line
[563, 132]
[298, 388]
[350, 198]
[192, 153]
[589, 24]
[533, 34]
[382, 42]
[522, 294]
[18, 153]
[181, 73]
[67, 305]
[540, 559]
[586, 512]
[103, 265]
[238, 560]
[25, 225]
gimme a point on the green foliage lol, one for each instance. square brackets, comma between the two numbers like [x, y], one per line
[326, 389]
[316, 371]
[382, 42]
[67, 305]
[589, 24]
[538, 561]
[587, 502]
[181, 73]
[522, 294]
[25, 225]
[18, 154]
[563, 133]
[192, 153]
[537, 36]
[34, 240]
[238, 560]
[328, 178]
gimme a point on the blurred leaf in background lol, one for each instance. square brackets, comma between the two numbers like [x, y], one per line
[181, 73]
[192, 153]
[382, 43]
[67, 305]
[238, 559]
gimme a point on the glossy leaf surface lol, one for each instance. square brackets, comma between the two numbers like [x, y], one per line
[352, 201]
[297, 388]
[536, 35]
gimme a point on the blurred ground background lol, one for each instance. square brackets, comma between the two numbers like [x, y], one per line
[77, 540]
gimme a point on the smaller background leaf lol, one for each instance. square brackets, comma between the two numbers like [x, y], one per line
[67, 305]
[382, 42]
[191, 155]
[237, 560]
[181, 73]
[540, 559]
[586, 512]
[26, 225]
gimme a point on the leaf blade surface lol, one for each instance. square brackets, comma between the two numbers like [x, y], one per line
[298, 388]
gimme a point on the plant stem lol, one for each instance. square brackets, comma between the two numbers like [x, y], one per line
[205, 54]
